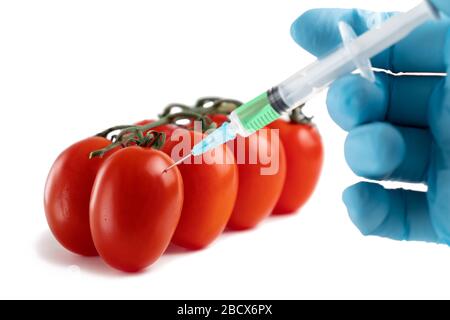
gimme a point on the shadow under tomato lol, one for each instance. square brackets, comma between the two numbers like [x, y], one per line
[52, 252]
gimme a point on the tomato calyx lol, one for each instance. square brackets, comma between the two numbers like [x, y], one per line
[298, 117]
[148, 136]
[214, 105]
[203, 111]
[124, 136]
[206, 106]
[210, 106]
[132, 136]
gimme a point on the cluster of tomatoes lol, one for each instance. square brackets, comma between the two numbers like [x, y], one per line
[124, 207]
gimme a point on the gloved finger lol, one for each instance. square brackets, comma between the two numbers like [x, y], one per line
[352, 100]
[439, 111]
[381, 151]
[422, 51]
[395, 214]
[438, 197]
[439, 178]
[442, 5]
[409, 99]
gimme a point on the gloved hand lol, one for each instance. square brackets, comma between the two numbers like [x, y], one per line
[399, 127]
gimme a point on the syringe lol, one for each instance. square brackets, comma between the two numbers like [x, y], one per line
[354, 54]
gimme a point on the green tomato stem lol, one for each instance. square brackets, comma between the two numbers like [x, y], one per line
[144, 136]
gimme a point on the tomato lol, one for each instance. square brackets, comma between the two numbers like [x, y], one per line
[67, 195]
[258, 193]
[135, 207]
[304, 154]
[209, 194]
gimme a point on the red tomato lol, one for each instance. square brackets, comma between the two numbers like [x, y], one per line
[67, 195]
[209, 195]
[257, 193]
[304, 154]
[135, 208]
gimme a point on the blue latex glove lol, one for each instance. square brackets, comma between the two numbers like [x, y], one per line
[399, 127]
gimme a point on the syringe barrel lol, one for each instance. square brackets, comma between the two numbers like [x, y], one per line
[306, 83]
[299, 88]
[393, 30]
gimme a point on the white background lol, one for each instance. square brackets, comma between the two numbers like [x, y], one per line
[71, 68]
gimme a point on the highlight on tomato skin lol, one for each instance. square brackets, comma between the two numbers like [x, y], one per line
[304, 157]
[135, 208]
[67, 195]
[209, 195]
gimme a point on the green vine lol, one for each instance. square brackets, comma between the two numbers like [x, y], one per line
[144, 135]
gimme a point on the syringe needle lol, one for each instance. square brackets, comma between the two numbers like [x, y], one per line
[177, 163]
